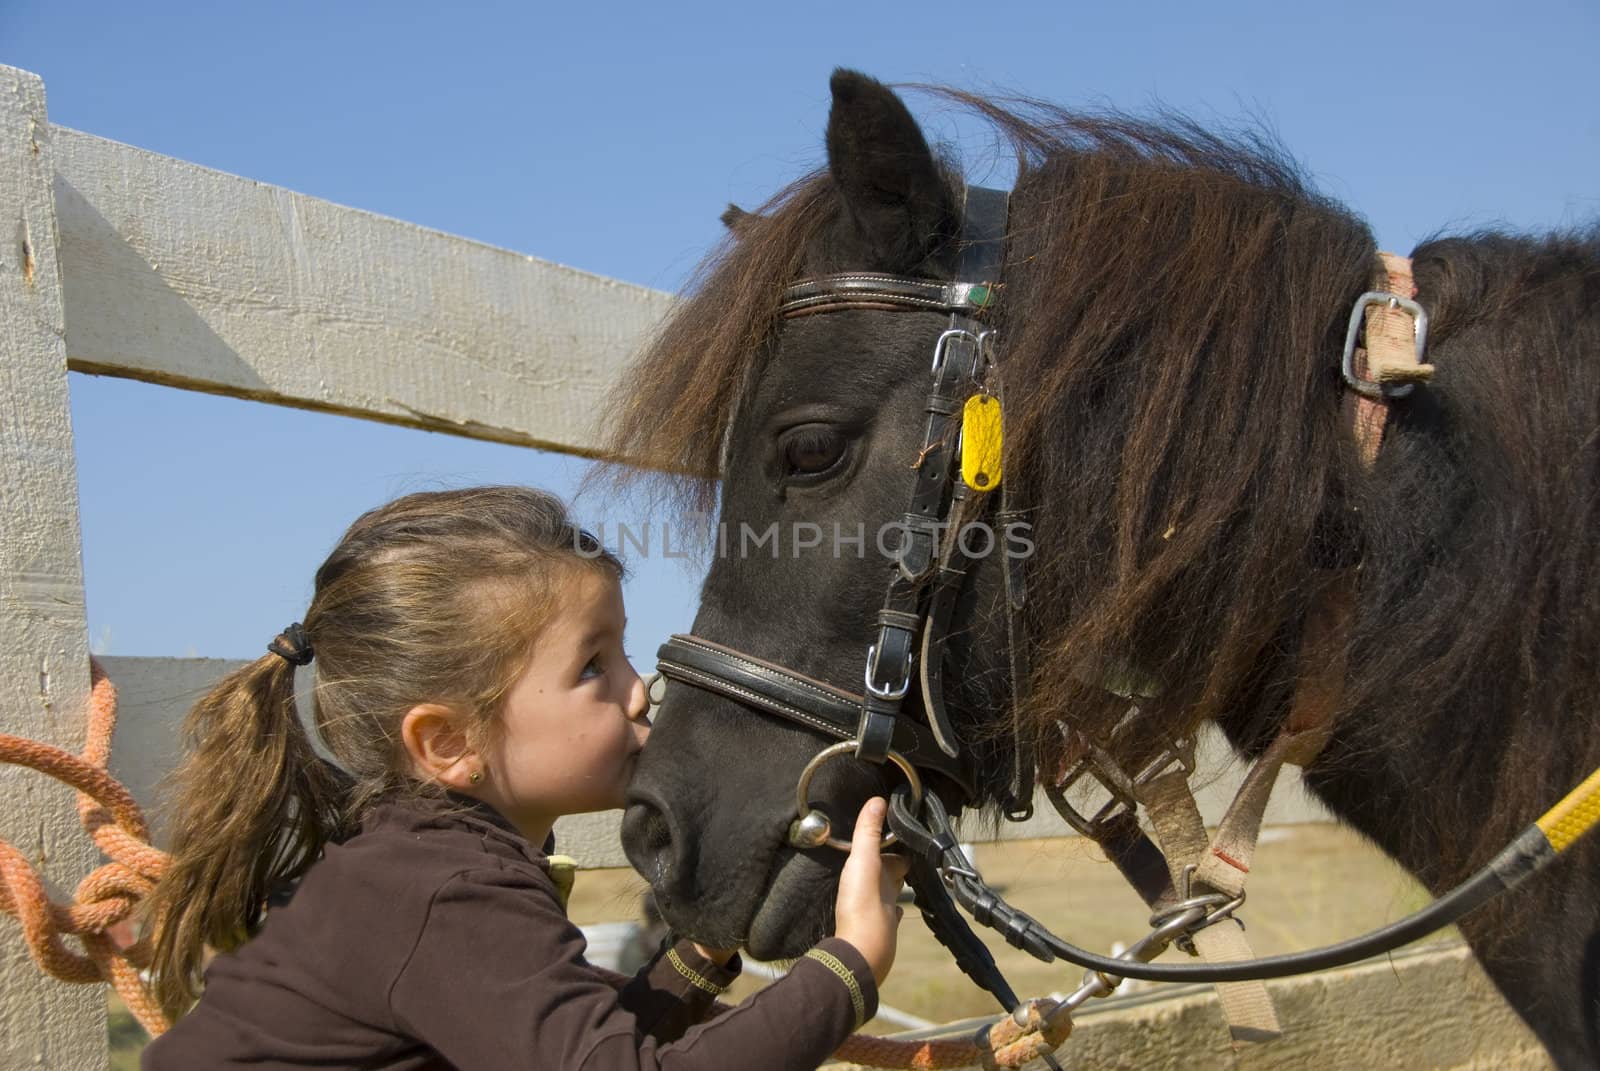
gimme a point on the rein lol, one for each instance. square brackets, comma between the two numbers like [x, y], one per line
[1198, 881]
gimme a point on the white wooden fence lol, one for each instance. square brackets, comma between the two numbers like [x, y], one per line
[122, 262]
[118, 261]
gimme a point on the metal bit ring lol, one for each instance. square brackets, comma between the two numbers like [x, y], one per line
[813, 829]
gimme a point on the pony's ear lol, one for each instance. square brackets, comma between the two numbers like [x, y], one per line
[897, 206]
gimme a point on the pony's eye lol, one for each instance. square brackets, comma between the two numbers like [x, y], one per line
[811, 450]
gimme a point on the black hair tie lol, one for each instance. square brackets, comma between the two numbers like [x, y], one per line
[292, 646]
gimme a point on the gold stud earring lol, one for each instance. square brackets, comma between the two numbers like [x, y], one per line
[475, 777]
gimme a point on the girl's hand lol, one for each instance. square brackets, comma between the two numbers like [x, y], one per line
[719, 956]
[865, 912]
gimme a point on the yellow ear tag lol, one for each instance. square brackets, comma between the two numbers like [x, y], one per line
[980, 442]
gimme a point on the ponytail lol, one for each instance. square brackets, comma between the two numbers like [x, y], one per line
[252, 806]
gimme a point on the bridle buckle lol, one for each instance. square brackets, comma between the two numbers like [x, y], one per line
[870, 678]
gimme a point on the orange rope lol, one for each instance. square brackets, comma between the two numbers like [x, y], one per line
[109, 894]
[869, 1051]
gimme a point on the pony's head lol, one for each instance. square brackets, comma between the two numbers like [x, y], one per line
[815, 423]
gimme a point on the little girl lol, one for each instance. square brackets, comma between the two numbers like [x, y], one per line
[471, 683]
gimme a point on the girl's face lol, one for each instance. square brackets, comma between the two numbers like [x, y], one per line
[574, 721]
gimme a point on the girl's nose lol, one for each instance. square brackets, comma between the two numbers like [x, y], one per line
[638, 699]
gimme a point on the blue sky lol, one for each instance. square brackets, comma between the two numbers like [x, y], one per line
[610, 136]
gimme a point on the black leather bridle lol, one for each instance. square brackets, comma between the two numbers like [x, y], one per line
[929, 573]
[914, 621]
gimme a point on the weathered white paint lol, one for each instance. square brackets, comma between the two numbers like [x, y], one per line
[1427, 1007]
[44, 666]
[181, 275]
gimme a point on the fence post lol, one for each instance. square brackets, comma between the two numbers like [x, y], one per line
[44, 655]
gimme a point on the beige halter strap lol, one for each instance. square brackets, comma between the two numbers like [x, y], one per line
[1388, 365]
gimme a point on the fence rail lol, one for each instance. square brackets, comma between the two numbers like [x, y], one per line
[180, 275]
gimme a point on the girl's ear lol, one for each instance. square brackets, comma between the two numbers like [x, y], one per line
[439, 746]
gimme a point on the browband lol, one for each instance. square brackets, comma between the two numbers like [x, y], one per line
[980, 252]
[829, 292]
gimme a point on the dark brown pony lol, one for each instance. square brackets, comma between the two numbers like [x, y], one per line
[1171, 324]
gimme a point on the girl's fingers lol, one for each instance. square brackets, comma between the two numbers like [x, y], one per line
[868, 836]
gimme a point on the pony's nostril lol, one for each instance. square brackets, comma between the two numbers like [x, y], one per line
[654, 834]
[647, 840]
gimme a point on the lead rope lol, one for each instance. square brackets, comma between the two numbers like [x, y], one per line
[109, 894]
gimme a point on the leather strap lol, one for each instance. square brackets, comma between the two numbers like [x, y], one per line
[1389, 357]
[1247, 1006]
[1024, 742]
[830, 293]
[796, 697]
[958, 357]
[947, 586]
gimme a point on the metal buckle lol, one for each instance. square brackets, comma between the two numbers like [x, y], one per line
[988, 340]
[1145, 949]
[1097, 763]
[1174, 925]
[1368, 388]
[1179, 752]
[886, 694]
[1120, 803]
[1208, 909]
[941, 347]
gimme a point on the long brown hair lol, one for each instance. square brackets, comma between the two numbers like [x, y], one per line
[436, 597]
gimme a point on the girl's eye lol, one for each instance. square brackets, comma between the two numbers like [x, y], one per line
[812, 450]
[591, 668]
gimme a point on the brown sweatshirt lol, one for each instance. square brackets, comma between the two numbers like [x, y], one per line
[434, 941]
